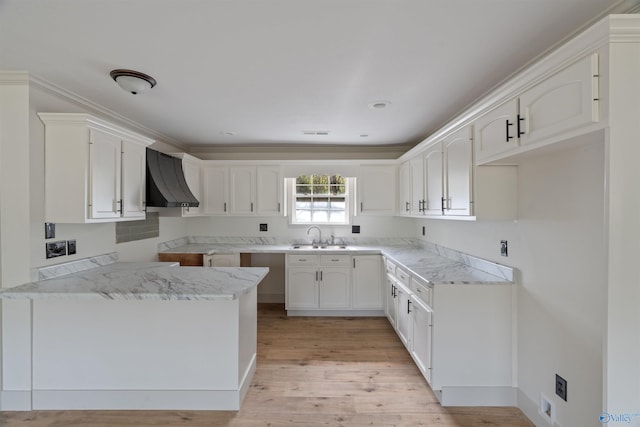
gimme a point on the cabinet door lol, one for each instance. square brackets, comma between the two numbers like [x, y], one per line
[496, 131]
[269, 191]
[334, 287]
[222, 260]
[367, 282]
[216, 190]
[403, 318]
[105, 170]
[390, 299]
[377, 190]
[421, 337]
[404, 189]
[434, 187]
[459, 166]
[243, 190]
[133, 179]
[561, 103]
[417, 184]
[193, 178]
[302, 290]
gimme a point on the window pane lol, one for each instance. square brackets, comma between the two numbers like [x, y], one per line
[319, 216]
[321, 199]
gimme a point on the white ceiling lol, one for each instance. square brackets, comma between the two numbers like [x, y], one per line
[267, 70]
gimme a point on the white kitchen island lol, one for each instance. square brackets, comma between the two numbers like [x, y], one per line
[137, 336]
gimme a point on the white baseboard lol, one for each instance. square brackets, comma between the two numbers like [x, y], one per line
[15, 400]
[478, 396]
[246, 379]
[337, 313]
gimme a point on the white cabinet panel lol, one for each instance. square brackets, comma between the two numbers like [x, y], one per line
[242, 190]
[367, 282]
[302, 288]
[105, 175]
[495, 131]
[334, 286]
[458, 149]
[269, 190]
[221, 260]
[434, 178]
[377, 190]
[417, 184]
[421, 337]
[403, 314]
[404, 189]
[390, 300]
[133, 179]
[216, 190]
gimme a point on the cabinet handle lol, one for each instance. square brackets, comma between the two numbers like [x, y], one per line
[361, 208]
[278, 206]
[210, 262]
[316, 276]
[118, 206]
[442, 207]
[408, 306]
[225, 206]
[507, 129]
[520, 132]
[321, 276]
[354, 263]
[406, 206]
[251, 206]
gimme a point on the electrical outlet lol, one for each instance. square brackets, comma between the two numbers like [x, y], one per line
[264, 227]
[504, 248]
[56, 249]
[49, 230]
[355, 229]
[71, 247]
[561, 387]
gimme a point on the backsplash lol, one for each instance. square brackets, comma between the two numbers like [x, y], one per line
[148, 228]
[56, 270]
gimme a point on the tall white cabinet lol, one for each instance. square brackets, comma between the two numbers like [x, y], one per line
[94, 170]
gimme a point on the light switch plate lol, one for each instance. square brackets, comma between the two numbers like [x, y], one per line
[49, 230]
[71, 247]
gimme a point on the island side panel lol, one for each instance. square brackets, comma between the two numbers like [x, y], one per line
[148, 346]
[248, 338]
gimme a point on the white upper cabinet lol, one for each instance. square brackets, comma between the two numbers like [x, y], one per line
[434, 181]
[242, 190]
[458, 154]
[565, 101]
[377, 190]
[404, 189]
[417, 184]
[192, 169]
[134, 167]
[216, 190]
[269, 190]
[94, 170]
[549, 111]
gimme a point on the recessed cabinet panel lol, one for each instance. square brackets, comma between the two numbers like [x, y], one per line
[216, 190]
[105, 169]
[563, 102]
[302, 289]
[133, 180]
[495, 131]
[417, 184]
[421, 337]
[334, 287]
[269, 190]
[367, 283]
[242, 190]
[434, 173]
[459, 164]
[404, 189]
[377, 190]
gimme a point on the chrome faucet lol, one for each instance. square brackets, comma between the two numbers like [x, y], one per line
[313, 242]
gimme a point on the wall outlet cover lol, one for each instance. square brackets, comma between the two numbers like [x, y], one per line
[56, 249]
[561, 387]
[264, 227]
[71, 247]
[355, 229]
[504, 248]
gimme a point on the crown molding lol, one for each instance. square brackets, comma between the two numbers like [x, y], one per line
[13, 78]
[99, 110]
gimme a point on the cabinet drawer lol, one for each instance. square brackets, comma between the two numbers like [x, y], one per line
[402, 276]
[336, 260]
[390, 267]
[422, 290]
[302, 259]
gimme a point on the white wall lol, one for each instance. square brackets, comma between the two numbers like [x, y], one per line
[92, 239]
[558, 246]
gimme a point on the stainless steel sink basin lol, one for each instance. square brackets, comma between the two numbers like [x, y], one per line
[320, 247]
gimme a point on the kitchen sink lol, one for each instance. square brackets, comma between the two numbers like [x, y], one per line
[320, 247]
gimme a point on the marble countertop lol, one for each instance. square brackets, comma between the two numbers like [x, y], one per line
[435, 265]
[144, 281]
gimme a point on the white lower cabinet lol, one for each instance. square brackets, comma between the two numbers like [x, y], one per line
[318, 282]
[459, 336]
[421, 336]
[221, 260]
[367, 282]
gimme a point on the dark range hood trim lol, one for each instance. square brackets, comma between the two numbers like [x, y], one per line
[166, 185]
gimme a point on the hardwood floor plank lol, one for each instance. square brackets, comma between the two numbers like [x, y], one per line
[311, 372]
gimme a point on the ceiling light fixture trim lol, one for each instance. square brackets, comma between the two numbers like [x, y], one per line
[132, 81]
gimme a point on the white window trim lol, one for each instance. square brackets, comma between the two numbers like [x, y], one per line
[290, 188]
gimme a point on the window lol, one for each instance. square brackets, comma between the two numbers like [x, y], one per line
[320, 199]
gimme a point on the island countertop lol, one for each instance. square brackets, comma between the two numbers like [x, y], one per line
[144, 281]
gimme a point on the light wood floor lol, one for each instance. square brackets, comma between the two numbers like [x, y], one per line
[311, 372]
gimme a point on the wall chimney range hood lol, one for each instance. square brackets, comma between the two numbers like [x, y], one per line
[166, 186]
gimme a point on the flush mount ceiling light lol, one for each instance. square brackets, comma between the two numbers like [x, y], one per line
[132, 81]
[379, 105]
